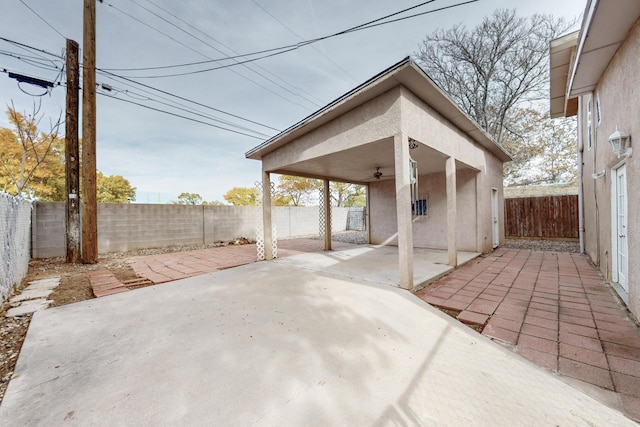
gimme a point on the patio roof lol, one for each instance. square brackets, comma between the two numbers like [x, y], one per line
[405, 73]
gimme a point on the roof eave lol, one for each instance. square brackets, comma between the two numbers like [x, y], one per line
[449, 109]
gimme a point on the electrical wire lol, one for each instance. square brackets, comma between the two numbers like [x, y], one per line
[115, 76]
[302, 38]
[177, 106]
[30, 48]
[33, 61]
[198, 52]
[288, 48]
[112, 75]
[284, 82]
[42, 19]
[179, 116]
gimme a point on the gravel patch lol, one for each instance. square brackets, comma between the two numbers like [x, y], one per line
[543, 245]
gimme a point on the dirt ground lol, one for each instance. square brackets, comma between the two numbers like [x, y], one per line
[74, 287]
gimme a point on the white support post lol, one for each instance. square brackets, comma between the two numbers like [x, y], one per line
[403, 209]
[452, 249]
[266, 215]
[326, 195]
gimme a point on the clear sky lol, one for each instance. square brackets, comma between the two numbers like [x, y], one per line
[163, 155]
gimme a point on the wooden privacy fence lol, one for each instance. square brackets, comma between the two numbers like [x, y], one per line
[547, 217]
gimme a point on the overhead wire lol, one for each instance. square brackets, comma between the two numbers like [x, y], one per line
[116, 76]
[194, 50]
[181, 107]
[138, 84]
[180, 116]
[288, 48]
[207, 35]
[41, 18]
[302, 38]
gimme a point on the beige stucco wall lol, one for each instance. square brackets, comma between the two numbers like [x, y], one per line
[429, 231]
[372, 121]
[425, 125]
[619, 94]
[379, 120]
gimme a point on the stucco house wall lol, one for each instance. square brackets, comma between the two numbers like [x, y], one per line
[618, 94]
[429, 231]
[374, 120]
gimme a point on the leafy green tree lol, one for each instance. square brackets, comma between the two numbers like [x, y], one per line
[31, 161]
[114, 189]
[188, 199]
[242, 196]
[299, 191]
[345, 194]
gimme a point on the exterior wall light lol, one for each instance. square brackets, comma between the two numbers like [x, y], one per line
[377, 174]
[620, 143]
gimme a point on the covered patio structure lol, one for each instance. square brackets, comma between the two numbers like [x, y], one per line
[433, 176]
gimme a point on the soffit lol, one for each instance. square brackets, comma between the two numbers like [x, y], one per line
[605, 27]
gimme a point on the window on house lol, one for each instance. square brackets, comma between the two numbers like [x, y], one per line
[419, 207]
[598, 112]
[589, 127]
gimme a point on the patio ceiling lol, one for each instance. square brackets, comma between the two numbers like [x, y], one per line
[358, 164]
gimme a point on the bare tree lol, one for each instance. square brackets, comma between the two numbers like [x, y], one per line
[490, 69]
[544, 150]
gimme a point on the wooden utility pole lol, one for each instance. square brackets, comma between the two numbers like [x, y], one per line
[72, 162]
[89, 190]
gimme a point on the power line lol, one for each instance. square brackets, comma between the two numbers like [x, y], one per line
[116, 76]
[288, 48]
[302, 38]
[26, 46]
[194, 50]
[232, 50]
[34, 61]
[42, 19]
[180, 107]
[112, 75]
[179, 116]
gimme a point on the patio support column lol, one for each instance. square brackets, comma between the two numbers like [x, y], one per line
[403, 210]
[452, 249]
[326, 195]
[266, 215]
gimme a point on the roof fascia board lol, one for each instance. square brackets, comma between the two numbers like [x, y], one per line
[330, 106]
[586, 26]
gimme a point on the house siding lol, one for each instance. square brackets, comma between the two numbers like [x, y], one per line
[618, 91]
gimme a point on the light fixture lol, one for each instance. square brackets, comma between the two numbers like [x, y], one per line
[377, 174]
[619, 141]
[412, 144]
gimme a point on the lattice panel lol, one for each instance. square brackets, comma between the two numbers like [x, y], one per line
[260, 249]
[323, 214]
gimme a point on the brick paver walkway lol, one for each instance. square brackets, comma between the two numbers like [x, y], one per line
[163, 268]
[555, 310]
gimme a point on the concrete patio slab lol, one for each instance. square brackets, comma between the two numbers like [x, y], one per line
[377, 264]
[273, 344]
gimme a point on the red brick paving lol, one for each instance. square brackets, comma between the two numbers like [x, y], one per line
[555, 310]
[180, 265]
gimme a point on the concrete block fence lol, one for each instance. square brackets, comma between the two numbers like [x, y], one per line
[125, 227]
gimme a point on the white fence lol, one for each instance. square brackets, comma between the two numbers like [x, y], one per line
[15, 228]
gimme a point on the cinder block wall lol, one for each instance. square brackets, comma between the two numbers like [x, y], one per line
[124, 227]
[48, 230]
